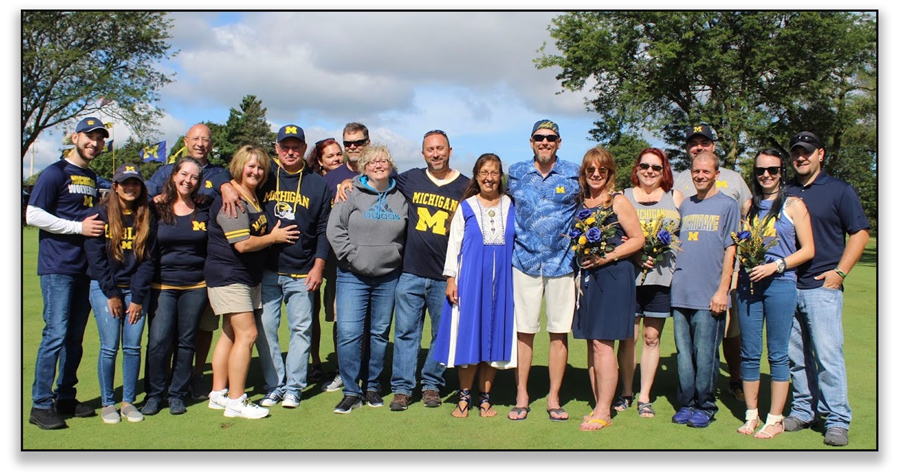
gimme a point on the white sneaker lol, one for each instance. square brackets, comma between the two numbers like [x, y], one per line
[334, 385]
[109, 414]
[290, 401]
[218, 399]
[244, 408]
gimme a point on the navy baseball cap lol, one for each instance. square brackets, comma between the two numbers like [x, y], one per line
[127, 171]
[545, 124]
[703, 130]
[89, 124]
[291, 130]
[807, 140]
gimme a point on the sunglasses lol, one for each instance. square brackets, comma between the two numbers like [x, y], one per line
[773, 171]
[325, 140]
[600, 170]
[357, 143]
[645, 166]
[541, 137]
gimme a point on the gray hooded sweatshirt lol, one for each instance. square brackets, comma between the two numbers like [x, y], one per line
[368, 230]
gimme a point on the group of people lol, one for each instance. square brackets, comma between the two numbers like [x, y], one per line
[478, 255]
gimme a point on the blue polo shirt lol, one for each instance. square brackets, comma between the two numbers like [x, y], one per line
[834, 210]
[545, 209]
[213, 178]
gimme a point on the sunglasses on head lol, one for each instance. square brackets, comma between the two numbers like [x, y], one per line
[541, 137]
[357, 143]
[435, 131]
[773, 171]
[325, 140]
[645, 166]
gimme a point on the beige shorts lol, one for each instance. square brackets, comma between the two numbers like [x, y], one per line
[209, 321]
[235, 298]
[560, 296]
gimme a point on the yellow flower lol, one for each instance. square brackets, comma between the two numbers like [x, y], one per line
[582, 240]
[590, 221]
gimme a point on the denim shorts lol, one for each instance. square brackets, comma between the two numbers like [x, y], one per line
[653, 301]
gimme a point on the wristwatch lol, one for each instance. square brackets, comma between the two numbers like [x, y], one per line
[840, 273]
[780, 265]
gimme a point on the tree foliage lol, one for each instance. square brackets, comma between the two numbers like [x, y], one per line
[756, 77]
[78, 63]
[248, 126]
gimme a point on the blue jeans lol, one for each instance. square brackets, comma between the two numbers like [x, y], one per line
[66, 309]
[773, 301]
[363, 300]
[284, 375]
[414, 295]
[697, 337]
[112, 332]
[818, 373]
[174, 320]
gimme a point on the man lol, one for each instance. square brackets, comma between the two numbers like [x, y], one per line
[433, 193]
[292, 195]
[356, 139]
[216, 180]
[700, 286]
[545, 191]
[58, 205]
[703, 139]
[818, 372]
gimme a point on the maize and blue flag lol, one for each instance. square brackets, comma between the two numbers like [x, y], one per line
[182, 152]
[108, 147]
[154, 153]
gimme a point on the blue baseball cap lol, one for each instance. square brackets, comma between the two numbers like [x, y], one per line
[127, 171]
[89, 124]
[291, 130]
[545, 124]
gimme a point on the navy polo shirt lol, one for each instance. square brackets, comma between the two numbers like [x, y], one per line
[835, 211]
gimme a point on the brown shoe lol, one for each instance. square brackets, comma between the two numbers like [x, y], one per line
[400, 402]
[431, 398]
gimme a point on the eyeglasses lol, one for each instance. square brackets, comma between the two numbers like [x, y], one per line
[288, 148]
[488, 173]
[356, 143]
[541, 137]
[645, 166]
[773, 171]
[598, 170]
[381, 161]
[435, 131]
[325, 140]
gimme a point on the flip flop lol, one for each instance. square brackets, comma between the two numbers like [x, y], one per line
[555, 414]
[519, 411]
[585, 426]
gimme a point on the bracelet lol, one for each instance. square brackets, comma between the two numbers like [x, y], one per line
[840, 273]
[616, 255]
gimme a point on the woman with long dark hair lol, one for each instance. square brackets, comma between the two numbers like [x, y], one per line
[121, 268]
[772, 297]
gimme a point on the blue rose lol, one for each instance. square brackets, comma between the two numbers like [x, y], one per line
[593, 235]
[744, 235]
[664, 237]
[584, 214]
[574, 234]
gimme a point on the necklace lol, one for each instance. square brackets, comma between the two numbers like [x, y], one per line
[246, 194]
[493, 225]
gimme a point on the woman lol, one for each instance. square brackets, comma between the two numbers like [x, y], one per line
[605, 309]
[480, 334]
[653, 198]
[324, 157]
[367, 233]
[121, 268]
[234, 266]
[773, 295]
[179, 287]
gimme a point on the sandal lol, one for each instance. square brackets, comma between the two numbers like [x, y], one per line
[558, 414]
[488, 411]
[771, 420]
[594, 424]
[645, 410]
[751, 418]
[622, 403]
[465, 396]
[520, 412]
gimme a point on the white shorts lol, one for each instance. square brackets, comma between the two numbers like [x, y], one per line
[528, 292]
[235, 298]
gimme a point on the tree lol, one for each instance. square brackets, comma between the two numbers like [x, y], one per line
[249, 126]
[87, 62]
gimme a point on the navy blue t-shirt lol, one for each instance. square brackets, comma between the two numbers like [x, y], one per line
[213, 178]
[430, 207]
[224, 264]
[66, 191]
[181, 249]
[338, 175]
[834, 210]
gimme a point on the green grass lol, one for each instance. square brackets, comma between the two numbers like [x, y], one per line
[314, 426]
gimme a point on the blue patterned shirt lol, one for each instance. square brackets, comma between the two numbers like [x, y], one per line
[545, 208]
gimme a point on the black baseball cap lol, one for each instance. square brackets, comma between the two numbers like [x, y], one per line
[703, 130]
[807, 140]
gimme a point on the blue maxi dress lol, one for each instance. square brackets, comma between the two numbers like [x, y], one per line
[481, 328]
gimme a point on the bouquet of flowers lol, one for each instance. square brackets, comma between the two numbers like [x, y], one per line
[752, 244]
[659, 238]
[591, 234]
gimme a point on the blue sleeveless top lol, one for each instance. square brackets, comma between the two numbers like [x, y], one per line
[783, 229]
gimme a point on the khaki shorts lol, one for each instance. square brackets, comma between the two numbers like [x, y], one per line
[560, 295]
[235, 298]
